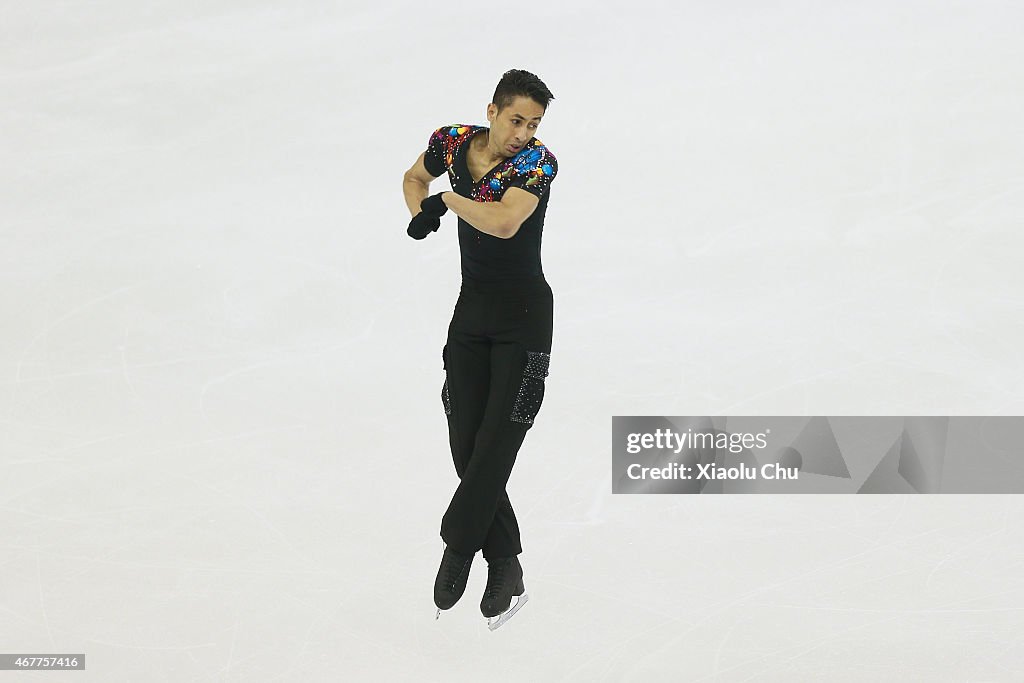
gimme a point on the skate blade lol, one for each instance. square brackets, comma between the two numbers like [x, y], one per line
[438, 615]
[496, 622]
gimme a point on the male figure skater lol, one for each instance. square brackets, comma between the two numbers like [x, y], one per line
[499, 338]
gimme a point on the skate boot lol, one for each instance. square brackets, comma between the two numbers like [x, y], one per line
[504, 580]
[450, 583]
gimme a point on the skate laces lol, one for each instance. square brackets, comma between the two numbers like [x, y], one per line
[496, 577]
[453, 570]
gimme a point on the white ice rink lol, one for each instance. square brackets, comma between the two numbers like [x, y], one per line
[223, 455]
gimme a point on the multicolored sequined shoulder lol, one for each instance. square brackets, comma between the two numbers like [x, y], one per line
[536, 162]
[449, 138]
[532, 169]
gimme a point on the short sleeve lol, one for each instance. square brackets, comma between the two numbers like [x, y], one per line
[535, 168]
[436, 152]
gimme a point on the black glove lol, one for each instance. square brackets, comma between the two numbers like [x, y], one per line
[434, 205]
[422, 224]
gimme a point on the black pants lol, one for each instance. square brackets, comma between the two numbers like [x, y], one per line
[495, 361]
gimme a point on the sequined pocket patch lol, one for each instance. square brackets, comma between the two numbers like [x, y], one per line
[446, 400]
[531, 390]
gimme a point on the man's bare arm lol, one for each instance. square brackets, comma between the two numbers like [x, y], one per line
[521, 204]
[489, 217]
[416, 185]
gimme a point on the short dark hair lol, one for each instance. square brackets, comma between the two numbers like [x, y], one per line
[518, 83]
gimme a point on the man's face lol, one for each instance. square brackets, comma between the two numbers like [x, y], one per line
[513, 126]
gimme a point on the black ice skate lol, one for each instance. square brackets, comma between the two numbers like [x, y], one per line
[450, 583]
[504, 580]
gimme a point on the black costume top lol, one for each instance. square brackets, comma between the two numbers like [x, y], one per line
[484, 256]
